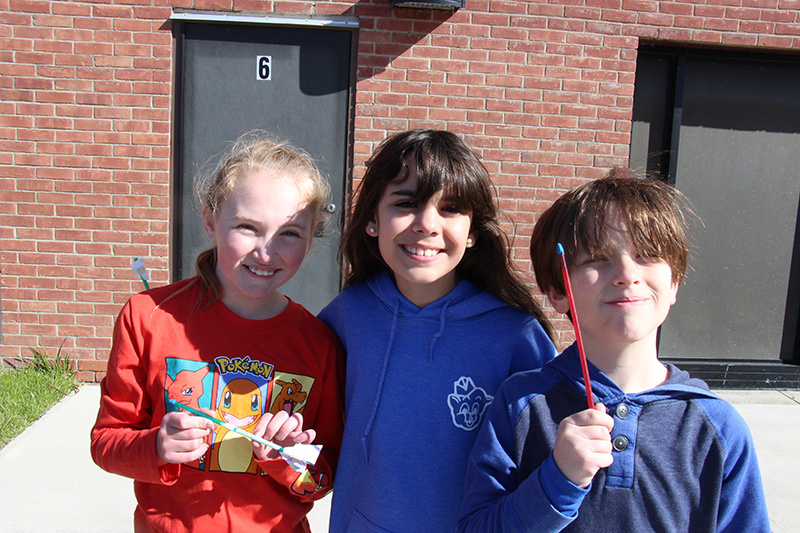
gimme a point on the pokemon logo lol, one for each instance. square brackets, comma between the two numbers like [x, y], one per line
[243, 366]
[467, 403]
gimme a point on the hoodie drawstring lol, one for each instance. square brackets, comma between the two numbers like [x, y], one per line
[378, 393]
[441, 328]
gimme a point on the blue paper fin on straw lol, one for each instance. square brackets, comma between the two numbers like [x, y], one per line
[141, 272]
[138, 268]
[559, 249]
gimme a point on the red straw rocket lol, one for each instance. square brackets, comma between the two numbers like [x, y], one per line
[576, 325]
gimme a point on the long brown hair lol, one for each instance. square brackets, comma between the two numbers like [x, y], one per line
[443, 162]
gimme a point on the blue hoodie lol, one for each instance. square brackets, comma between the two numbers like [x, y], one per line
[683, 459]
[418, 384]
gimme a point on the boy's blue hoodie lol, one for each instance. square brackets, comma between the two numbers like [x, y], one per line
[683, 459]
[418, 384]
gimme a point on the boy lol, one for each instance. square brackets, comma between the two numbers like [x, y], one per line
[669, 455]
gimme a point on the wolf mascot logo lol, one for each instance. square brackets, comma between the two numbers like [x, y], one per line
[467, 403]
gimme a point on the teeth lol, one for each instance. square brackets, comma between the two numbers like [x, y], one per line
[425, 252]
[258, 272]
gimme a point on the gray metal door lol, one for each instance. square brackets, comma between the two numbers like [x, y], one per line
[294, 82]
[729, 127]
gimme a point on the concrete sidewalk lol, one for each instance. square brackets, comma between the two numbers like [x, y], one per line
[48, 481]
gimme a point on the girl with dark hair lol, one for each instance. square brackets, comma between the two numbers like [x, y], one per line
[433, 319]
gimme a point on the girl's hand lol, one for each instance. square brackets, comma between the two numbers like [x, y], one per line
[283, 430]
[182, 438]
[583, 445]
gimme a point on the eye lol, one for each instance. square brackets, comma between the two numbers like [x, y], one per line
[254, 403]
[246, 227]
[405, 204]
[452, 209]
[291, 233]
[590, 259]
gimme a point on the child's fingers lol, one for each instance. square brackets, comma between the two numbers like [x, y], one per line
[286, 429]
[592, 417]
[604, 419]
[181, 438]
[305, 437]
[583, 445]
[185, 425]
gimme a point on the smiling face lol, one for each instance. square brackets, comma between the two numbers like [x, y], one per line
[262, 233]
[422, 243]
[621, 296]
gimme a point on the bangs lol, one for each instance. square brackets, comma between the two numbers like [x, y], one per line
[649, 235]
[462, 183]
[654, 222]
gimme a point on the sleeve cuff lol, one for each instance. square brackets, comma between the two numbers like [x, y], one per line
[564, 496]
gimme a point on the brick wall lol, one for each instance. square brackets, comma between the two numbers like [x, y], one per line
[542, 90]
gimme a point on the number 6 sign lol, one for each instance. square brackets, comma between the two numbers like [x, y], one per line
[263, 68]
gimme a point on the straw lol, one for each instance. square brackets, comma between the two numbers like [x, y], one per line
[298, 456]
[576, 325]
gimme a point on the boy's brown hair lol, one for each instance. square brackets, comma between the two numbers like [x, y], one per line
[654, 213]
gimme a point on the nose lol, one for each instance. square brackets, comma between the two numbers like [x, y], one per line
[427, 220]
[264, 249]
[626, 270]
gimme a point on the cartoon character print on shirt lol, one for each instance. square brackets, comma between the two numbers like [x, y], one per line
[187, 386]
[242, 384]
[190, 383]
[309, 481]
[290, 392]
[467, 403]
[239, 390]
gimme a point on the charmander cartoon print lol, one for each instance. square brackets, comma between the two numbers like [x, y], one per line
[187, 387]
[467, 403]
[289, 392]
[241, 387]
[190, 383]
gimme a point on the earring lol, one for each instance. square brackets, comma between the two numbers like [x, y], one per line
[469, 241]
[371, 230]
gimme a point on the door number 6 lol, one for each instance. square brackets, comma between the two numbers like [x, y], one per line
[263, 68]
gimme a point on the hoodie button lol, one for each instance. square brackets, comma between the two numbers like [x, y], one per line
[622, 411]
[620, 443]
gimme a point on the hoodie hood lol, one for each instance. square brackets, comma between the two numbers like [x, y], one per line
[679, 383]
[463, 302]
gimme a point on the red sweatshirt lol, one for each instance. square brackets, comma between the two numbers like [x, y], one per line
[212, 358]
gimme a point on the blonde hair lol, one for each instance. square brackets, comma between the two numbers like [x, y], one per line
[252, 152]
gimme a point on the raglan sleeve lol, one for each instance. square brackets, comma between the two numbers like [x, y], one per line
[327, 419]
[123, 439]
[742, 503]
[495, 497]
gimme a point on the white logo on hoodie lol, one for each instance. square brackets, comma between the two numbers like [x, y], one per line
[467, 403]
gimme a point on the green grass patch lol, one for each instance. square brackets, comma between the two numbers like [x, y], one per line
[27, 393]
